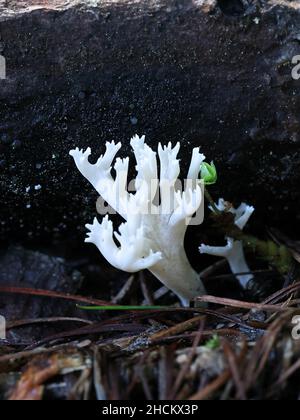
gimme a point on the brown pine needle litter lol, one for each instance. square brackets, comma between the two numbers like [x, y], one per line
[232, 349]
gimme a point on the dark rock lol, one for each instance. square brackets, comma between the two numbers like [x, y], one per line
[5, 139]
[2, 164]
[16, 144]
[26, 269]
[213, 73]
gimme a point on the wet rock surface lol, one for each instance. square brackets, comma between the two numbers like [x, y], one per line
[208, 73]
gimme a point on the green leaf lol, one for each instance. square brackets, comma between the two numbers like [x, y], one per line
[214, 343]
[208, 173]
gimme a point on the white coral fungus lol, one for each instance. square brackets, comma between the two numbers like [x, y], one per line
[153, 235]
[234, 251]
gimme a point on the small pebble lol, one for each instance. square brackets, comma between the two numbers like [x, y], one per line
[134, 120]
[37, 187]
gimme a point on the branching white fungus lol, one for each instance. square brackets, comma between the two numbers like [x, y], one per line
[153, 235]
[234, 251]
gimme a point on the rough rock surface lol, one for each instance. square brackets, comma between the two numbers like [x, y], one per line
[215, 73]
[27, 269]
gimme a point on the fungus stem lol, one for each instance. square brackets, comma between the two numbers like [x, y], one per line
[211, 202]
